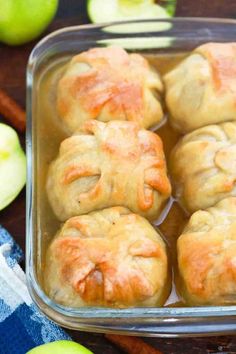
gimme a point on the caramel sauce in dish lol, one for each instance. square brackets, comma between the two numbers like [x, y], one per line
[49, 133]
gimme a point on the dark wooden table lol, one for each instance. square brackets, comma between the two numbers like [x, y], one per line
[12, 78]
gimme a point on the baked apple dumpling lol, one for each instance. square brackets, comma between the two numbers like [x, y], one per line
[202, 89]
[107, 258]
[109, 84]
[207, 256]
[110, 164]
[203, 166]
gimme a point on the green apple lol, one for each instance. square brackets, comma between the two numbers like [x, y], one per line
[60, 347]
[12, 165]
[23, 20]
[117, 10]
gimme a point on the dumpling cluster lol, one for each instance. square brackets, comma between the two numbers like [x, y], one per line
[202, 89]
[109, 84]
[203, 166]
[207, 256]
[107, 255]
[201, 92]
[107, 258]
[111, 164]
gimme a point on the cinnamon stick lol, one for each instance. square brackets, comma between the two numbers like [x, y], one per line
[12, 112]
[131, 345]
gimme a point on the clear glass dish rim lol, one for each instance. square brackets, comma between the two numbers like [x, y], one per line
[33, 286]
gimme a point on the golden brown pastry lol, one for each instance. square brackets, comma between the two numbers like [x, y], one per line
[114, 163]
[109, 84]
[107, 258]
[202, 89]
[203, 166]
[207, 256]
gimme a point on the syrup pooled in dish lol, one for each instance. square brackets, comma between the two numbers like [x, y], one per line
[201, 90]
[207, 256]
[203, 166]
[107, 258]
[109, 84]
[110, 164]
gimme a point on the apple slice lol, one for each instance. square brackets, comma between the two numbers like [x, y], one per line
[117, 10]
[60, 347]
[12, 165]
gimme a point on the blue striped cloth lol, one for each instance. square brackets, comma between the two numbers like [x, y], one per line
[22, 326]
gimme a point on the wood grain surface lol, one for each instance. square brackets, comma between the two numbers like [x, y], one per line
[13, 63]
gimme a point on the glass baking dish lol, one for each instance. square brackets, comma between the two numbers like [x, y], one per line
[147, 37]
